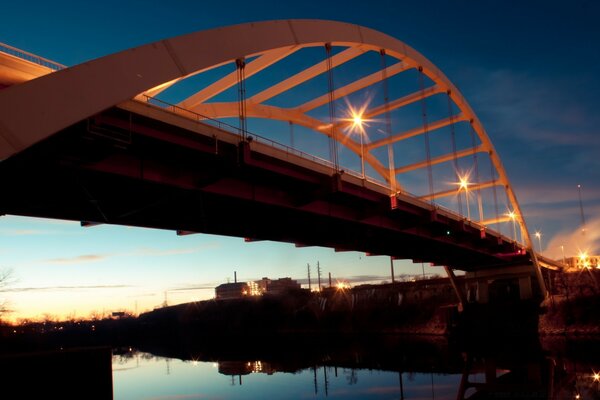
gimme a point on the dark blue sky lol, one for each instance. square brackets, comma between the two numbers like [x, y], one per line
[529, 69]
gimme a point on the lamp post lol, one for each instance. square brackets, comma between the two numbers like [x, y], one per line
[357, 125]
[538, 235]
[464, 184]
[513, 216]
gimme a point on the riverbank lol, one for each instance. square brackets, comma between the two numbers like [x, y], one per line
[572, 310]
[574, 316]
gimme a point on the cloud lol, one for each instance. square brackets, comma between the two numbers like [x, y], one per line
[27, 232]
[535, 192]
[81, 259]
[540, 124]
[574, 241]
[64, 288]
[353, 279]
[146, 251]
[196, 287]
[523, 101]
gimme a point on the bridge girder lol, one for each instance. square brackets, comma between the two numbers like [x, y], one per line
[73, 94]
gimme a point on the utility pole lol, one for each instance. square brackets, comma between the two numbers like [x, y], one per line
[392, 268]
[319, 275]
[330, 279]
[308, 267]
[581, 210]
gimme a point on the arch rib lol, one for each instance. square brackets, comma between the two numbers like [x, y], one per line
[230, 80]
[440, 159]
[352, 87]
[416, 131]
[73, 94]
[306, 75]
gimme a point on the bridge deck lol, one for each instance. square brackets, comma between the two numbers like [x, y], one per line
[142, 166]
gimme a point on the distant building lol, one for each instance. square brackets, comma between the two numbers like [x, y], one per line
[234, 290]
[583, 261]
[281, 285]
[238, 290]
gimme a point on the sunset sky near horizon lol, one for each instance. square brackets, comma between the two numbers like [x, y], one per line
[528, 69]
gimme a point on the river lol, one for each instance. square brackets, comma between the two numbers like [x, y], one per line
[382, 367]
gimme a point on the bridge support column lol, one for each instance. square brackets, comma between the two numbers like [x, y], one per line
[457, 289]
[483, 295]
[486, 282]
[525, 289]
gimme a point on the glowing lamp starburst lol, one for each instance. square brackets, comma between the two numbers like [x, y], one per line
[357, 120]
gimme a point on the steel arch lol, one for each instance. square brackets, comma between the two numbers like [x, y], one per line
[67, 96]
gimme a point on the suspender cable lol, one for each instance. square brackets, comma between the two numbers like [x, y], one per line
[476, 170]
[291, 134]
[455, 158]
[333, 150]
[240, 64]
[493, 175]
[512, 214]
[388, 121]
[426, 133]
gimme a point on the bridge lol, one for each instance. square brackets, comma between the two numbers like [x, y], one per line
[317, 133]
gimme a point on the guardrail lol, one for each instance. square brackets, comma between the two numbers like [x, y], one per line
[24, 55]
[290, 150]
[255, 137]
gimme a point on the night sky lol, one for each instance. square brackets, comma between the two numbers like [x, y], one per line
[528, 69]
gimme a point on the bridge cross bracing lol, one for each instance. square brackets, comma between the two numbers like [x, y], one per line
[155, 72]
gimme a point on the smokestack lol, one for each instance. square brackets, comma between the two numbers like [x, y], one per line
[234, 276]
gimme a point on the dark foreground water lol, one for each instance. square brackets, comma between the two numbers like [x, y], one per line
[372, 368]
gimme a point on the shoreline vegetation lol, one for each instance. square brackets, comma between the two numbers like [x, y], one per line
[428, 309]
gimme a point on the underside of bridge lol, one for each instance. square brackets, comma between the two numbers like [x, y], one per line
[121, 167]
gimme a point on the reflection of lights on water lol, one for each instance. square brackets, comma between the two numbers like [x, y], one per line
[257, 367]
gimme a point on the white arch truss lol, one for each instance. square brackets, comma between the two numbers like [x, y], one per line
[35, 110]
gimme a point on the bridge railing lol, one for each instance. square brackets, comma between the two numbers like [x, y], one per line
[24, 55]
[255, 137]
[163, 105]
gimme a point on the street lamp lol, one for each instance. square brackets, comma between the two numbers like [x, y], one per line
[357, 124]
[513, 216]
[464, 184]
[538, 234]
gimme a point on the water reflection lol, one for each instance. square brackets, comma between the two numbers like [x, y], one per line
[381, 368]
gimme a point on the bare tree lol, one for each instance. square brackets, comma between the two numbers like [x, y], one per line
[5, 280]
